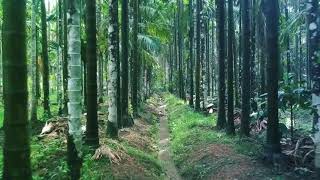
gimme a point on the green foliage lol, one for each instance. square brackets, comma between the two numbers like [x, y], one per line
[190, 131]
[293, 95]
[148, 160]
[93, 169]
[1, 116]
[48, 159]
[53, 107]
[1, 157]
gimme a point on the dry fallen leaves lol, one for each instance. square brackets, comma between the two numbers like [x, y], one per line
[104, 151]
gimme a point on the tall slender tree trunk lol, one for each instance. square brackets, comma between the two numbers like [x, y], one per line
[230, 129]
[126, 119]
[180, 50]
[60, 57]
[313, 29]
[191, 55]
[198, 55]
[84, 75]
[203, 58]
[176, 55]
[34, 98]
[135, 60]
[296, 66]
[253, 48]
[113, 35]
[45, 74]
[74, 144]
[92, 132]
[307, 61]
[16, 151]
[245, 119]
[99, 53]
[261, 44]
[170, 69]
[271, 11]
[214, 67]
[301, 57]
[221, 63]
[100, 78]
[240, 51]
[287, 41]
[37, 65]
[208, 65]
[65, 59]
[236, 58]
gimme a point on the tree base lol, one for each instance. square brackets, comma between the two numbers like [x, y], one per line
[112, 130]
[74, 161]
[127, 121]
[273, 155]
[92, 142]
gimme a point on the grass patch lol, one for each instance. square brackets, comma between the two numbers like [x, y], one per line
[150, 161]
[191, 131]
[48, 157]
[96, 169]
[1, 116]
[41, 115]
[1, 160]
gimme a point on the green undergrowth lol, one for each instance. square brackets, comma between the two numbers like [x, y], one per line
[49, 158]
[191, 131]
[41, 115]
[1, 116]
[150, 161]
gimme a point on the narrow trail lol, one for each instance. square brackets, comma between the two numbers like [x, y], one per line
[164, 144]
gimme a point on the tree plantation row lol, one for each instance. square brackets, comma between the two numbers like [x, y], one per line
[253, 63]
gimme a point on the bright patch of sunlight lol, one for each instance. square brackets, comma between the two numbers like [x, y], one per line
[50, 4]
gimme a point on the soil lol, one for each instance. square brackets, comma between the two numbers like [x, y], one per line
[225, 163]
[164, 144]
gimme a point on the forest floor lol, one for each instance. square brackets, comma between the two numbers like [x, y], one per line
[168, 141]
[165, 153]
[200, 151]
[133, 156]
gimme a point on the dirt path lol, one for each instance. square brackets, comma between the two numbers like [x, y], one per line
[164, 144]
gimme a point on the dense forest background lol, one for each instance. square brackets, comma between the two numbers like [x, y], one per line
[97, 89]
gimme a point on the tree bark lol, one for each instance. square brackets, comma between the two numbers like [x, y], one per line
[59, 57]
[135, 60]
[271, 12]
[45, 58]
[34, 98]
[313, 31]
[16, 151]
[246, 57]
[230, 128]
[92, 132]
[113, 34]
[126, 119]
[65, 59]
[198, 55]
[221, 123]
[203, 59]
[180, 50]
[74, 144]
[191, 55]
